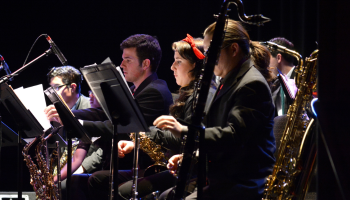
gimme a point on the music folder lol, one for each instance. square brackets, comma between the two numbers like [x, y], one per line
[114, 95]
[24, 119]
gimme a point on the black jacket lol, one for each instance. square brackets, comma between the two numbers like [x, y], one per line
[154, 99]
[239, 139]
[166, 138]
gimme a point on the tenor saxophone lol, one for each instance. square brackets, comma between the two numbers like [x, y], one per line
[49, 187]
[64, 157]
[41, 177]
[154, 151]
[36, 179]
[287, 180]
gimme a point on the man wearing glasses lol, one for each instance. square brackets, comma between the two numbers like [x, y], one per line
[66, 80]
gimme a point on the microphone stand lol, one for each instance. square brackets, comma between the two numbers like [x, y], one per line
[135, 169]
[8, 77]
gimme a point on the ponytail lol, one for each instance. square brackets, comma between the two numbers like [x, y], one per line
[261, 57]
[236, 33]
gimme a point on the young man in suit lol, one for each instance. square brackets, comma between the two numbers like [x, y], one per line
[141, 58]
[284, 63]
[66, 80]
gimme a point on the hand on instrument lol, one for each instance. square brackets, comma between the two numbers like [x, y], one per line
[51, 114]
[125, 147]
[167, 122]
[173, 163]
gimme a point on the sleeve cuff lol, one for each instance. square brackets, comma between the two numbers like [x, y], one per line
[184, 131]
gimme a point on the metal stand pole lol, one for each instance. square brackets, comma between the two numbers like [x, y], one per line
[135, 169]
[113, 179]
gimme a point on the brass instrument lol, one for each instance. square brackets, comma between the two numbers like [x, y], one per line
[35, 175]
[41, 177]
[51, 190]
[290, 175]
[63, 159]
[154, 151]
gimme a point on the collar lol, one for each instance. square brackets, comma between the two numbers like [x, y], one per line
[233, 76]
[289, 74]
[76, 105]
[142, 86]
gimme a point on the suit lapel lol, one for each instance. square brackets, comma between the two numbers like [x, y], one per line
[145, 83]
[233, 78]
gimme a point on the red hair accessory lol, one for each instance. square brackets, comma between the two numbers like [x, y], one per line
[196, 51]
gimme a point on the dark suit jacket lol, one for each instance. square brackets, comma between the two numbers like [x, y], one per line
[239, 138]
[154, 99]
[166, 138]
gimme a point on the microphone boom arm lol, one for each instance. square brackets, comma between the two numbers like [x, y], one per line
[8, 77]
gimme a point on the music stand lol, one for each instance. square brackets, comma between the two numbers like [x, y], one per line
[10, 137]
[115, 98]
[27, 124]
[72, 127]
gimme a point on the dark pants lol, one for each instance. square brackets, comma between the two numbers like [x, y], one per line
[78, 187]
[98, 183]
[157, 182]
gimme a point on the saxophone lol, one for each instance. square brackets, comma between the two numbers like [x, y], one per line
[63, 159]
[154, 151]
[288, 177]
[41, 177]
[35, 175]
[50, 188]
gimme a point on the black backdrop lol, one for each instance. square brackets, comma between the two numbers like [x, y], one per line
[89, 31]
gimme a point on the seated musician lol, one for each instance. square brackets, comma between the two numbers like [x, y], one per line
[66, 80]
[188, 61]
[239, 140]
[285, 64]
[141, 57]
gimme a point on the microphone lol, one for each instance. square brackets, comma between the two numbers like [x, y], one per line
[56, 50]
[5, 67]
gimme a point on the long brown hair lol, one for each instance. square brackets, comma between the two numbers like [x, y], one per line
[186, 52]
[236, 33]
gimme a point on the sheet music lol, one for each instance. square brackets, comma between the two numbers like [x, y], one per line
[122, 75]
[34, 100]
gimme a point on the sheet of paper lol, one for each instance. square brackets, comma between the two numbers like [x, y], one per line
[34, 100]
[122, 75]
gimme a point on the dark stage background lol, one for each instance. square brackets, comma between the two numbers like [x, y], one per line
[89, 31]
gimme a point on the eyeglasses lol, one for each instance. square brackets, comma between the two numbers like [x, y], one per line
[59, 86]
